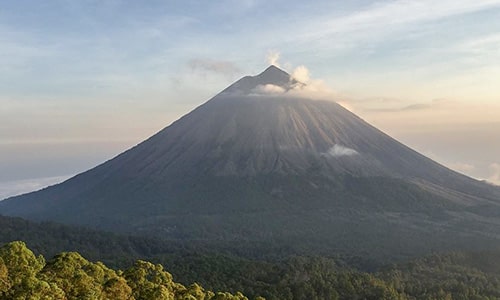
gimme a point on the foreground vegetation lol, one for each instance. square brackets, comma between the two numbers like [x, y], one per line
[68, 275]
[271, 271]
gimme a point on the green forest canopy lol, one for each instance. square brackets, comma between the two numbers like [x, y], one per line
[68, 275]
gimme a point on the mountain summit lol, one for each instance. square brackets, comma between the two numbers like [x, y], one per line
[274, 75]
[269, 167]
[271, 76]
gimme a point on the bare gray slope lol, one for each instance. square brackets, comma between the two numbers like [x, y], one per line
[246, 165]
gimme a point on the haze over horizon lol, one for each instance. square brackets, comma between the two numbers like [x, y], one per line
[82, 82]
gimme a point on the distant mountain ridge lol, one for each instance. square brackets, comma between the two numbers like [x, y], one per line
[247, 165]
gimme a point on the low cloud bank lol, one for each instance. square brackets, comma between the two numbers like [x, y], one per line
[18, 187]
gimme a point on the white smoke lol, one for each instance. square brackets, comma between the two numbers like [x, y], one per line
[339, 150]
[301, 74]
[314, 90]
[273, 57]
[307, 87]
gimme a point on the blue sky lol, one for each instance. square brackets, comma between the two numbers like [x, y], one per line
[81, 81]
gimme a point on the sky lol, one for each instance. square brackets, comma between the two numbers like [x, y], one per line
[82, 81]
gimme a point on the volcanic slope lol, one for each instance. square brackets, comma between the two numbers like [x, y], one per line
[258, 163]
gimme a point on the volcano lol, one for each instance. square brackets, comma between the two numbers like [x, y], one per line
[257, 162]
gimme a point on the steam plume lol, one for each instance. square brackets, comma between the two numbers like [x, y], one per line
[273, 57]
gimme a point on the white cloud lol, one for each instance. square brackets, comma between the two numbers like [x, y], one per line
[481, 45]
[301, 74]
[391, 13]
[314, 89]
[268, 89]
[495, 173]
[339, 150]
[480, 52]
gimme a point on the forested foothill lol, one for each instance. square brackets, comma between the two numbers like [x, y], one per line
[68, 262]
